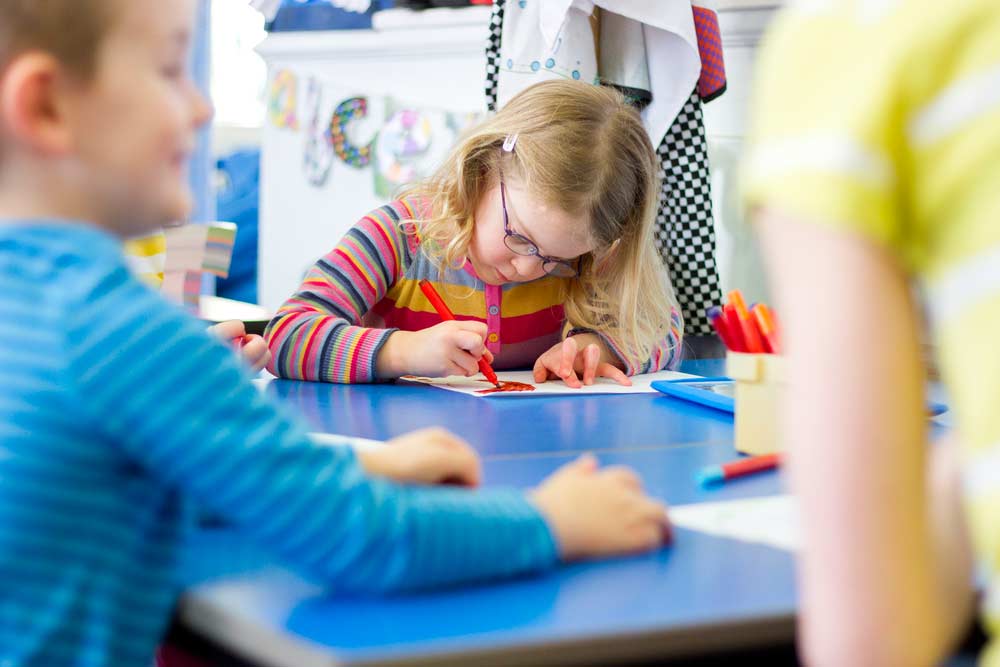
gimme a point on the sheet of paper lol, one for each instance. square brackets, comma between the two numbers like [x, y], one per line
[770, 520]
[475, 385]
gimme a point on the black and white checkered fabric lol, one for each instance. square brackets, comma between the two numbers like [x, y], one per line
[493, 54]
[685, 226]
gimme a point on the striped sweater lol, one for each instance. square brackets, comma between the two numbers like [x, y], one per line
[119, 416]
[355, 296]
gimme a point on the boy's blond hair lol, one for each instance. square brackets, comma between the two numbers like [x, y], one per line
[69, 30]
[582, 149]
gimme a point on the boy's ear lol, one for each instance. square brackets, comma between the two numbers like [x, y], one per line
[30, 111]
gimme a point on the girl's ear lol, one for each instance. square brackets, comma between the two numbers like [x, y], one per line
[31, 109]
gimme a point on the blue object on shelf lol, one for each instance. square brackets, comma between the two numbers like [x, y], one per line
[304, 15]
[238, 201]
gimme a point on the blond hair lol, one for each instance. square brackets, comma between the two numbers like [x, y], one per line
[582, 149]
[70, 30]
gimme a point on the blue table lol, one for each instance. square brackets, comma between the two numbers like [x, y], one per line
[511, 426]
[701, 594]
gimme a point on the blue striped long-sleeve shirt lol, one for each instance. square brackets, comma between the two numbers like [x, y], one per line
[119, 415]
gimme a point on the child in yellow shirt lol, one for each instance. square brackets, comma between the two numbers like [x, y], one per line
[875, 167]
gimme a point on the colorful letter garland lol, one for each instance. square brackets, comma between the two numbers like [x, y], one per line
[282, 105]
[408, 144]
[317, 157]
[356, 156]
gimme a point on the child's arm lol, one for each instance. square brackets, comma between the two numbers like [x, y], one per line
[452, 347]
[179, 406]
[877, 587]
[316, 334]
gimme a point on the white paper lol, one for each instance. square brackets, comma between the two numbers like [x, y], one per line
[641, 384]
[770, 520]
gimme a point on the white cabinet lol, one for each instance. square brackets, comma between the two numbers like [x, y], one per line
[443, 67]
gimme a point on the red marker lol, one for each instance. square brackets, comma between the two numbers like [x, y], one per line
[735, 328]
[751, 336]
[738, 468]
[445, 313]
[718, 320]
[768, 330]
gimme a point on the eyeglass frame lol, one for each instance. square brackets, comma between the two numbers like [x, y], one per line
[532, 247]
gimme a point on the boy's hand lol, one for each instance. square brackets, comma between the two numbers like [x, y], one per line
[600, 512]
[428, 456]
[449, 348]
[568, 362]
[252, 347]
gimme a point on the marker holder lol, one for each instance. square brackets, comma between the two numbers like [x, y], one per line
[759, 382]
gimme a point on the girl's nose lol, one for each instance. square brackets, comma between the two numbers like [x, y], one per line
[527, 267]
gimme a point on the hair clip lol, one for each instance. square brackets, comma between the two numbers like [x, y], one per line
[508, 143]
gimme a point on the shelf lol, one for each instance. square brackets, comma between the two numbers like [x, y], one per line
[458, 32]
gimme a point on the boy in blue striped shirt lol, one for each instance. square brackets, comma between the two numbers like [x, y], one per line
[119, 414]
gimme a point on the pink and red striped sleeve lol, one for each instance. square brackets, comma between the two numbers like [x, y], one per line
[317, 333]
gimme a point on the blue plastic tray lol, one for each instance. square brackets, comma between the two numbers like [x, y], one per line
[719, 393]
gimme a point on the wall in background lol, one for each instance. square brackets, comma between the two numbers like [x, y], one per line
[239, 75]
[238, 72]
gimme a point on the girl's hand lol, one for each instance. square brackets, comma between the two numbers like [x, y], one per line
[252, 347]
[600, 512]
[428, 456]
[453, 347]
[567, 362]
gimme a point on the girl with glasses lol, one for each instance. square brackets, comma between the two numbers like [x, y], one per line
[537, 233]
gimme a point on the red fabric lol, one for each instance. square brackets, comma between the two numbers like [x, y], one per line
[712, 81]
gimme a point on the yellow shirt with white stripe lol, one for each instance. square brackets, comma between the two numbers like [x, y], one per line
[882, 118]
[146, 256]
